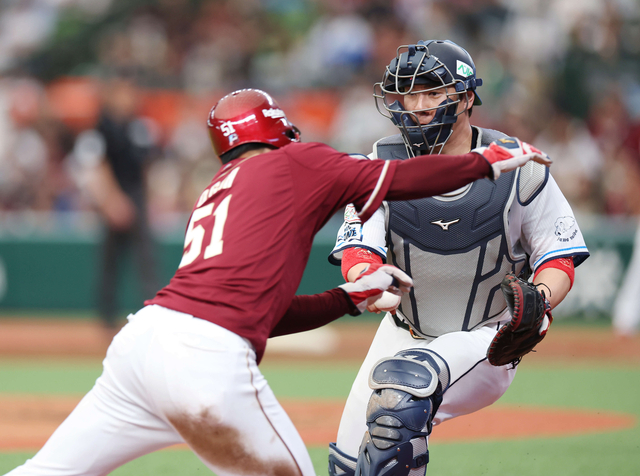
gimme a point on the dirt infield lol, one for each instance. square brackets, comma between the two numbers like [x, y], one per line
[348, 341]
[26, 421]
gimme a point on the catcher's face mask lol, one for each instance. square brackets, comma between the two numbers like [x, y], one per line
[426, 68]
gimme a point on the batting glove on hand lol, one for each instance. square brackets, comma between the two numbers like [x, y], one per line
[374, 281]
[509, 153]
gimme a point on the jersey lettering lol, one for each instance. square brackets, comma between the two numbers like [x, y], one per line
[220, 214]
[196, 232]
[223, 184]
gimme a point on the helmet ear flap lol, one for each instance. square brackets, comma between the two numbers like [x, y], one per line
[293, 133]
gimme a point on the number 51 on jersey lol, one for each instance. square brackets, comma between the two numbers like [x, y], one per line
[196, 232]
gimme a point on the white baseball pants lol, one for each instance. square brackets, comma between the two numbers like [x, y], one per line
[172, 378]
[474, 382]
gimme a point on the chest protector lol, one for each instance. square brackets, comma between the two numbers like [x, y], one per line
[455, 247]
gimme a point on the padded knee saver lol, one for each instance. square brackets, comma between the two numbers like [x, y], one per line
[406, 396]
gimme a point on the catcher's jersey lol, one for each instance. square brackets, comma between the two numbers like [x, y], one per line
[251, 232]
[458, 247]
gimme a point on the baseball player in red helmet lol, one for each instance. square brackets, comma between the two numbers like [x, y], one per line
[185, 367]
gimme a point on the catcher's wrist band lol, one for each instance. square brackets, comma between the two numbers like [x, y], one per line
[563, 264]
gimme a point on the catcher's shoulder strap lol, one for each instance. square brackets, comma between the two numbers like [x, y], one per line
[391, 148]
[484, 137]
[531, 180]
[532, 177]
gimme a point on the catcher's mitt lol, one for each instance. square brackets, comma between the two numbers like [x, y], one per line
[528, 326]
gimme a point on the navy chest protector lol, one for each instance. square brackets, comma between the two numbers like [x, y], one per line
[455, 247]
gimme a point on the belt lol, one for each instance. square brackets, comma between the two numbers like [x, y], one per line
[403, 325]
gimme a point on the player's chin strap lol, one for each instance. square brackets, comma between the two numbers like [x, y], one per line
[406, 396]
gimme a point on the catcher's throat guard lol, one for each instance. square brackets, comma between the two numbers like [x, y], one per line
[531, 317]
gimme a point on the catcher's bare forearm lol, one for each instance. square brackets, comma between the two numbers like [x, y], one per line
[355, 271]
[556, 284]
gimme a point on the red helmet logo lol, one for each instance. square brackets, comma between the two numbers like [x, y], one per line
[249, 115]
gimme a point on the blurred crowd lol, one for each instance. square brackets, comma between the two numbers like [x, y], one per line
[562, 74]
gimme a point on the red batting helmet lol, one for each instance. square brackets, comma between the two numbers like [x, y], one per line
[249, 115]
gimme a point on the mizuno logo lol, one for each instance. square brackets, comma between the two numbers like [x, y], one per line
[445, 224]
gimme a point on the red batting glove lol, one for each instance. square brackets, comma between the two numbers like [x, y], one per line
[509, 153]
[373, 281]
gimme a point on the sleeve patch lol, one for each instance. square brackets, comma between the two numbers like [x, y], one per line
[351, 232]
[566, 229]
[351, 215]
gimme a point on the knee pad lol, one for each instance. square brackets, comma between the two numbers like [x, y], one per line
[406, 395]
[340, 464]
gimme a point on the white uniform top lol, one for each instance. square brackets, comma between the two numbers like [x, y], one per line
[457, 288]
[544, 229]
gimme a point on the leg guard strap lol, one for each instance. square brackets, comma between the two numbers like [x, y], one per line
[340, 464]
[407, 394]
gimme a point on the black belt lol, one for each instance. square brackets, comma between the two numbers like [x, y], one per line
[403, 325]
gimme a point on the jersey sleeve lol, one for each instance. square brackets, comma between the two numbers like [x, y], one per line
[354, 234]
[550, 229]
[307, 312]
[337, 179]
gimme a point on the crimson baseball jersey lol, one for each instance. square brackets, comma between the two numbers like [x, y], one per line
[251, 232]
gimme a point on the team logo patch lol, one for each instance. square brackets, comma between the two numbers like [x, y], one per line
[352, 231]
[463, 69]
[351, 215]
[565, 229]
[508, 143]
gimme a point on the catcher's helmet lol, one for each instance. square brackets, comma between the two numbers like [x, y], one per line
[432, 64]
[249, 116]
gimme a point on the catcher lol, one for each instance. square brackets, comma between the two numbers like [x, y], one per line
[450, 346]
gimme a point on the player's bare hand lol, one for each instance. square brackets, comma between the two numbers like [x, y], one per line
[509, 153]
[373, 281]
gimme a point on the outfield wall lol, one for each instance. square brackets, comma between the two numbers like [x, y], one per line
[53, 264]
